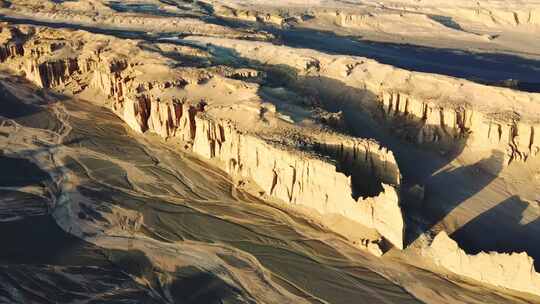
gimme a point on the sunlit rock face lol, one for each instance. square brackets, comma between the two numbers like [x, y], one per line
[234, 151]
[514, 271]
[437, 111]
[329, 183]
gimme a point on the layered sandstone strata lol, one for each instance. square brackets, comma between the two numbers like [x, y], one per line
[324, 171]
[513, 271]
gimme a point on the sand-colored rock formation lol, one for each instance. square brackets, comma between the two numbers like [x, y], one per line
[502, 131]
[431, 109]
[299, 178]
[495, 25]
[249, 15]
[513, 271]
[150, 95]
[88, 13]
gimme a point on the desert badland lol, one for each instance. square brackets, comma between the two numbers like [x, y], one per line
[235, 151]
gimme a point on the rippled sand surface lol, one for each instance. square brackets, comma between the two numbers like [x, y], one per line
[180, 200]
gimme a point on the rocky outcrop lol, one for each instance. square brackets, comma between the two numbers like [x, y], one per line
[332, 174]
[249, 15]
[432, 122]
[51, 73]
[435, 123]
[429, 109]
[302, 178]
[442, 124]
[512, 271]
[93, 12]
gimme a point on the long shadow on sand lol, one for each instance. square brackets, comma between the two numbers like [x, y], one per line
[447, 189]
[486, 233]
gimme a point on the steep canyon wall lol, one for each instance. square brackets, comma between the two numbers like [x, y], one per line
[432, 109]
[153, 104]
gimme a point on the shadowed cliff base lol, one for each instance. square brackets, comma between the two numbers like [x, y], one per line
[195, 286]
[185, 285]
[26, 114]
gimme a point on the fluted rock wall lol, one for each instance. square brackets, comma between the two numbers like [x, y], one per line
[51, 73]
[324, 183]
[300, 178]
[429, 122]
[445, 124]
[430, 109]
[293, 176]
[513, 271]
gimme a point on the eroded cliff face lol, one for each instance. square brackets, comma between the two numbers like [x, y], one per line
[501, 131]
[167, 18]
[428, 109]
[249, 15]
[441, 124]
[513, 271]
[353, 178]
[306, 179]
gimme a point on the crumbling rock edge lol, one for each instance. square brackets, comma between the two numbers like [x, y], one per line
[85, 62]
[431, 109]
[512, 271]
